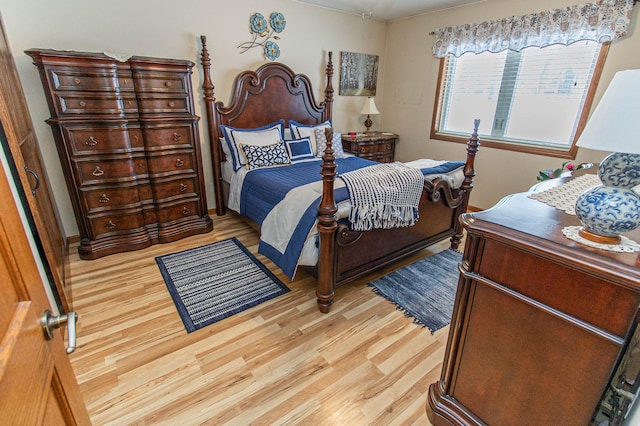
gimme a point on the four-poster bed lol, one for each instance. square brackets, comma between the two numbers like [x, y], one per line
[274, 92]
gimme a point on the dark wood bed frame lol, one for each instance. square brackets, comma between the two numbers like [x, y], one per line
[273, 92]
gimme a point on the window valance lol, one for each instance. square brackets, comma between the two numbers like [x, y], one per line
[602, 21]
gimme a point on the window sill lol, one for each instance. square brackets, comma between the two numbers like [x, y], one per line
[568, 153]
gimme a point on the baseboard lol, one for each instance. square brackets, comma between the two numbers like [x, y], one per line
[73, 239]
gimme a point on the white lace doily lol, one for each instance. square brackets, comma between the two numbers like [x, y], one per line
[626, 245]
[564, 197]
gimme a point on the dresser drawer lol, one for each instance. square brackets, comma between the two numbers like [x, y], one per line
[386, 158]
[375, 147]
[109, 198]
[116, 223]
[178, 211]
[162, 83]
[100, 81]
[164, 165]
[89, 103]
[164, 191]
[109, 170]
[160, 137]
[565, 289]
[102, 140]
[164, 105]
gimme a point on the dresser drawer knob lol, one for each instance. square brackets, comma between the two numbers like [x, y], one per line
[183, 187]
[104, 199]
[167, 84]
[98, 171]
[110, 225]
[179, 162]
[83, 104]
[177, 137]
[76, 81]
[172, 104]
[185, 211]
[91, 141]
[363, 149]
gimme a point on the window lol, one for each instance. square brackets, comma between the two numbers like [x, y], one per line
[536, 100]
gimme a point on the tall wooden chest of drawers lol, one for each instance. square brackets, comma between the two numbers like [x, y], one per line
[127, 137]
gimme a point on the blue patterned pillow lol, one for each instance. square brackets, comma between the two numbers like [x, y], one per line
[321, 140]
[262, 136]
[257, 156]
[300, 150]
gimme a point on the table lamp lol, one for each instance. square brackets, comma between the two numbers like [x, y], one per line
[369, 108]
[610, 209]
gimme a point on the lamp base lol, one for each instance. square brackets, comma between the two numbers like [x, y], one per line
[600, 239]
[368, 123]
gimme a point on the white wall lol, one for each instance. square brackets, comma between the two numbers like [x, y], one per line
[172, 29]
[410, 90]
[406, 81]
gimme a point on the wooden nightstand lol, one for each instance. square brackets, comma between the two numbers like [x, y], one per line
[376, 146]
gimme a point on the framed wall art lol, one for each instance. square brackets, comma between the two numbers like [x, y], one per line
[358, 74]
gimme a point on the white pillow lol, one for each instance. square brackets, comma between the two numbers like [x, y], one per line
[300, 131]
[260, 136]
[225, 150]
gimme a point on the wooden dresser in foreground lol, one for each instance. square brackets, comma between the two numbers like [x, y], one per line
[539, 321]
[375, 146]
[127, 137]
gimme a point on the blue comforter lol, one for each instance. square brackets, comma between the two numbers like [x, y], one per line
[265, 188]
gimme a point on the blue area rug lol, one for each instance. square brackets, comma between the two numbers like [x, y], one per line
[424, 290]
[215, 281]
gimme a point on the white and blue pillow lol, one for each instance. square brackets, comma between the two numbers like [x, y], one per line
[336, 143]
[300, 150]
[257, 156]
[299, 131]
[259, 136]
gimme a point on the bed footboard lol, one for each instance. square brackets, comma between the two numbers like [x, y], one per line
[346, 255]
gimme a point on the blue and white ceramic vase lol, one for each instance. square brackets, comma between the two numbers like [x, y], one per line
[608, 211]
[620, 170]
[612, 209]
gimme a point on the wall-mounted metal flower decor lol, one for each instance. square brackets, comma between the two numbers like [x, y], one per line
[264, 32]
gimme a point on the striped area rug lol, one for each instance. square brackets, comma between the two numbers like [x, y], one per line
[215, 281]
[424, 290]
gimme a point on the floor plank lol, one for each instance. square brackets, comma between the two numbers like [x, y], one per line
[282, 362]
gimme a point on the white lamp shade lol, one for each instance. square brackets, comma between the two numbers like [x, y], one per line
[369, 107]
[614, 125]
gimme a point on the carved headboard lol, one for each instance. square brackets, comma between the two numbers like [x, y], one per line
[260, 97]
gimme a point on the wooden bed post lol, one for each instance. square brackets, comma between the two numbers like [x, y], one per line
[327, 226]
[212, 126]
[328, 91]
[467, 183]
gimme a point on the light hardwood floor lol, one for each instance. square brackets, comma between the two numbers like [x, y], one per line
[282, 362]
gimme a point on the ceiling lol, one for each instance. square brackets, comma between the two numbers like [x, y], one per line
[388, 10]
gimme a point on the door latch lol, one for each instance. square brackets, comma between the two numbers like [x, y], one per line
[51, 322]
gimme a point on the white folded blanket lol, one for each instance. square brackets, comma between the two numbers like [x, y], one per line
[383, 196]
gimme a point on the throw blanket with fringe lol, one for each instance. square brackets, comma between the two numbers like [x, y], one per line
[384, 196]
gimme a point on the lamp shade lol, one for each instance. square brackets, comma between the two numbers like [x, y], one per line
[369, 107]
[615, 123]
